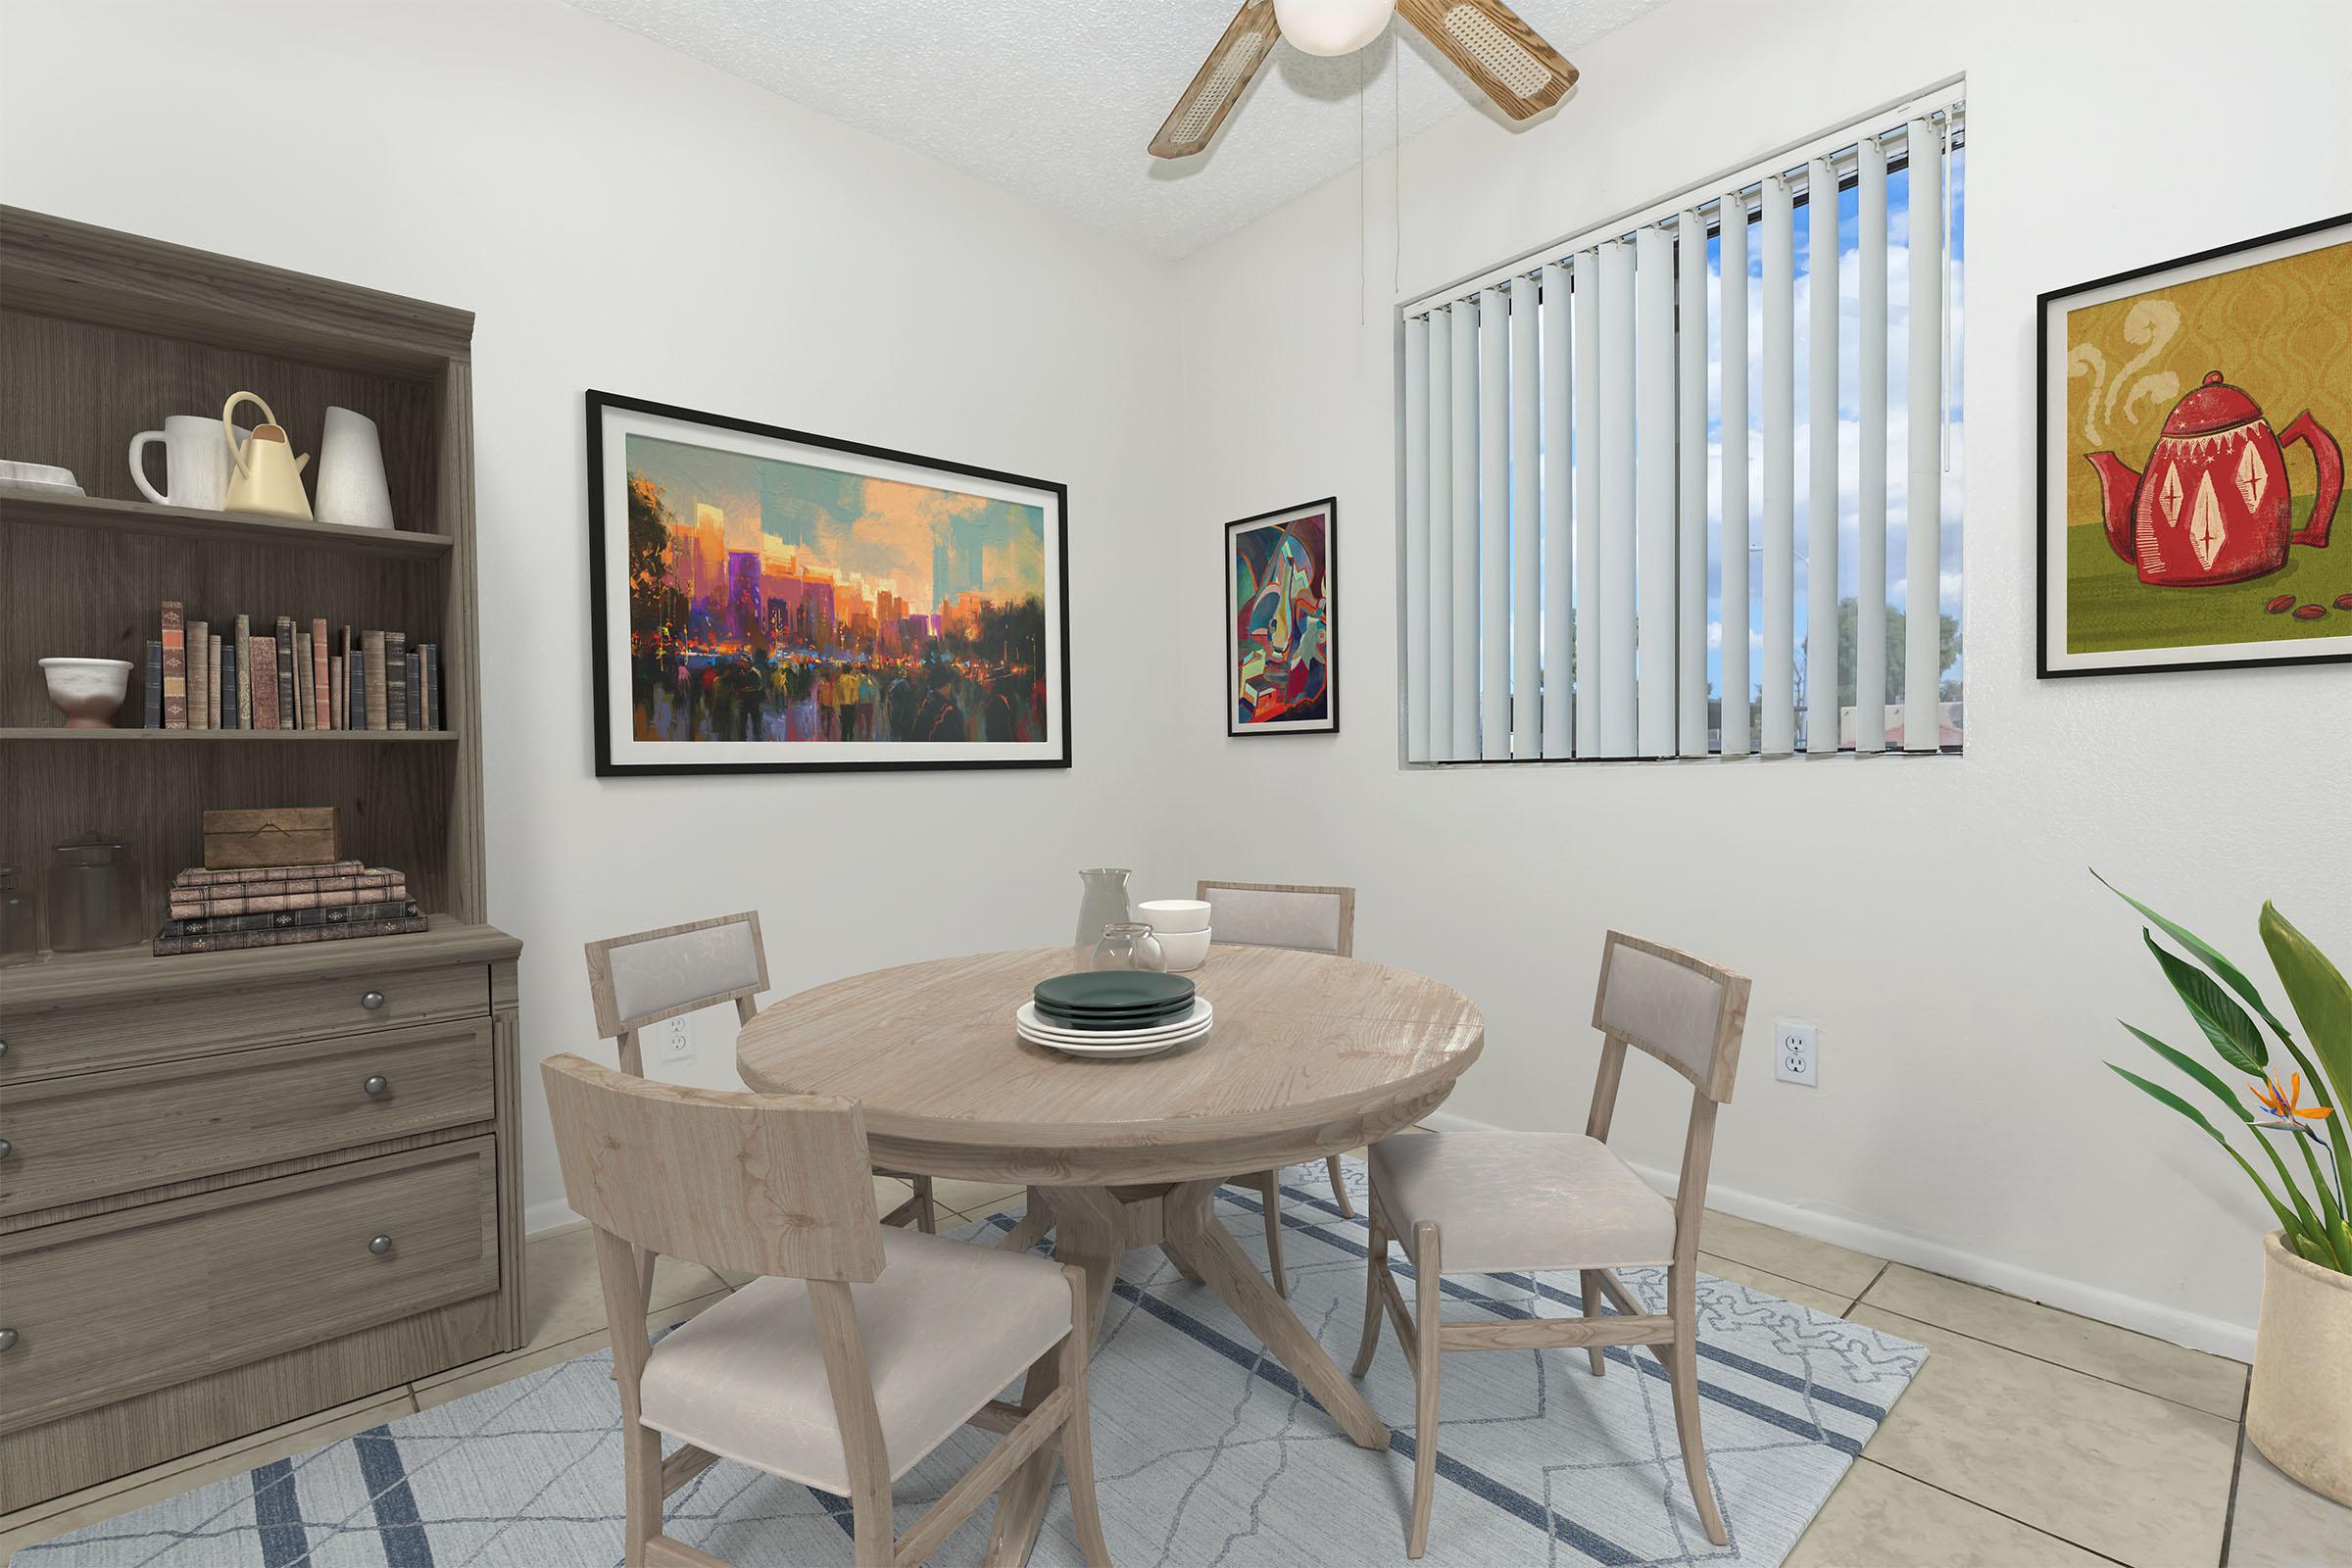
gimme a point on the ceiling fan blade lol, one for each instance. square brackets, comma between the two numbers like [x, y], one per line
[1506, 59]
[1217, 85]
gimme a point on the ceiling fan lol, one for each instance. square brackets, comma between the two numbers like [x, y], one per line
[1507, 60]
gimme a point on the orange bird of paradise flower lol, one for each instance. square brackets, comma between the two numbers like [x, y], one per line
[2284, 1102]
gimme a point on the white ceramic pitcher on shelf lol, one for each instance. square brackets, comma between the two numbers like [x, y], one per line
[269, 476]
[350, 473]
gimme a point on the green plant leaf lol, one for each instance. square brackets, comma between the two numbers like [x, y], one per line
[2223, 1021]
[2316, 1222]
[2321, 996]
[2206, 954]
[2288, 1221]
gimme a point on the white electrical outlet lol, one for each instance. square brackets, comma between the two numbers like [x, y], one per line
[1794, 1053]
[673, 1040]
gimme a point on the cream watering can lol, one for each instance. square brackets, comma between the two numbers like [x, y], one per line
[268, 476]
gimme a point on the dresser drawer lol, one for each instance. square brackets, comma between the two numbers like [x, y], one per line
[122, 1034]
[114, 1132]
[139, 1300]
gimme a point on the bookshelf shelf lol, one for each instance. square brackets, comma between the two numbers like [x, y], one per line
[231, 737]
[224, 527]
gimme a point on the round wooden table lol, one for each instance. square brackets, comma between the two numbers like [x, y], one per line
[1310, 1054]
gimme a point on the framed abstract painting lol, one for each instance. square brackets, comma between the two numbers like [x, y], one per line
[1282, 648]
[767, 601]
[2191, 461]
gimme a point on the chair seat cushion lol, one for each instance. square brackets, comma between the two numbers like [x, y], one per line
[1522, 1201]
[946, 1326]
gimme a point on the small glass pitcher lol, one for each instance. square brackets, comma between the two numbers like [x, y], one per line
[1102, 906]
[1130, 945]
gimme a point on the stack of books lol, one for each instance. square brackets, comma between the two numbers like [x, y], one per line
[276, 906]
[293, 676]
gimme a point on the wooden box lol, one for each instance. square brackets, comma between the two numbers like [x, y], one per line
[285, 835]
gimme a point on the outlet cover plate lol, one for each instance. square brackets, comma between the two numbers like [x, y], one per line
[1795, 1057]
[674, 1038]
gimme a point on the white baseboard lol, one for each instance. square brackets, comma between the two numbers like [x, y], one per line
[2212, 1334]
[549, 1214]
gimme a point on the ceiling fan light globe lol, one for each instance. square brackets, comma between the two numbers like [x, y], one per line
[1332, 26]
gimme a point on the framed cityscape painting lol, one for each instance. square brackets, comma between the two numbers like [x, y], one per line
[769, 601]
[2191, 460]
[1282, 649]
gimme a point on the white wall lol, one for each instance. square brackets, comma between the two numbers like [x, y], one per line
[618, 217]
[621, 217]
[1963, 1119]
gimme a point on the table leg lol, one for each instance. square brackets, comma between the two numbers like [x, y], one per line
[1090, 1230]
[1184, 1265]
[1195, 1229]
[1036, 1220]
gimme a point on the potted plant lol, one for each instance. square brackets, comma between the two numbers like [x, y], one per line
[2299, 1409]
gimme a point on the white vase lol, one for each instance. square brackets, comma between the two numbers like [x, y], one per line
[2299, 1409]
[350, 473]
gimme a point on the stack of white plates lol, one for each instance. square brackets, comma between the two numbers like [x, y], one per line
[1191, 1025]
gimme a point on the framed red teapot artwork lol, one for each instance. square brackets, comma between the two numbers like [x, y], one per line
[2190, 467]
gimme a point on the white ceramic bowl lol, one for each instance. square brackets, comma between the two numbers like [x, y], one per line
[1184, 950]
[88, 691]
[1164, 915]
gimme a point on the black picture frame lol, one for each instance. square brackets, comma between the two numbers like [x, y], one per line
[1329, 506]
[2049, 306]
[602, 695]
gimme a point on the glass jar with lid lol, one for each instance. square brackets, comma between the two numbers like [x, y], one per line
[20, 921]
[93, 895]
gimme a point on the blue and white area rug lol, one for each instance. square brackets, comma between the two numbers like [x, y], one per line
[1207, 1452]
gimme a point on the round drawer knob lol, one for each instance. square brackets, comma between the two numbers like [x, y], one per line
[375, 1085]
[373, 1000]
[3, 1047]
[6, 1148]
[380, 1245]
[8, 1338]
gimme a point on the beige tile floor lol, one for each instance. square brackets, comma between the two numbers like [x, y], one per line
[2031, 1437]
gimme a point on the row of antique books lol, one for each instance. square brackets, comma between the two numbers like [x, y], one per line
[290, 676]
[277, 906]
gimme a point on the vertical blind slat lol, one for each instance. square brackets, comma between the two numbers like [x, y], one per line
[1464, 508]
[1614, 687]
[1527, 615]
[1870, 552]
[1560, 670]
[1780, 472]
[1440, 533]
[1821, 453]
[1658, 516]
[1586, 507]
[1493, 526]
[1732, 550]
[1691, 456]
[1416, 541]
[1923, 496]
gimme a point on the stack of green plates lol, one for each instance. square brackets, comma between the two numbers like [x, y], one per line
[1112, 1000]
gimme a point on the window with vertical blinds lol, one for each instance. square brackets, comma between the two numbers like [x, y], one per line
[1672, 490]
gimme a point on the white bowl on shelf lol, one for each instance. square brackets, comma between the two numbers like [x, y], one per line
[1166, 915]
[88, 691]
[1185, 951]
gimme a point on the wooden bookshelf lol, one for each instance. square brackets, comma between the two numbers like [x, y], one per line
[198, 1067]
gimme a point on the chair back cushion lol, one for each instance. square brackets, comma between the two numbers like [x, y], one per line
[636, 980]
[1685, 1011]
[761, 1184]
[1261, 914]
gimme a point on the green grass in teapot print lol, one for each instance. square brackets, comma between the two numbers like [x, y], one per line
[2108, 608]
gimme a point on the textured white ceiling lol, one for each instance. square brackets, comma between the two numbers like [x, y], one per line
[1058, 99]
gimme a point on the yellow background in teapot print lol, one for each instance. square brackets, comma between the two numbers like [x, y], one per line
[2280, 330]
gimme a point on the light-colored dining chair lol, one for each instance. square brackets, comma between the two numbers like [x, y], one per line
[639, 980]
[857, 1350]
[1275, 915]
[1484, 1202]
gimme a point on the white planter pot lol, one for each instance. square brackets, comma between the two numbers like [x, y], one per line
[2299, 1411]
